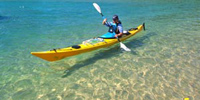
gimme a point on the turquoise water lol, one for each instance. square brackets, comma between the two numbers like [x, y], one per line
[164, 63]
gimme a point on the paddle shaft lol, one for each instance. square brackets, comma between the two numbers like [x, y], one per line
[118, 39]
[101, 14]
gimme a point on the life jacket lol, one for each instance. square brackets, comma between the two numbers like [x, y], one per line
[114, 27]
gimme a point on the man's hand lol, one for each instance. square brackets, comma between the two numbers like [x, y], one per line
[120, 34]
[116, 35]
[104, 21]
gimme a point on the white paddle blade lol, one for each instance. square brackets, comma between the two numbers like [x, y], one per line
[96, 6]
[124, 47]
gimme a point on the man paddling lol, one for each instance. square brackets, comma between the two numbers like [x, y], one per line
[115, 26]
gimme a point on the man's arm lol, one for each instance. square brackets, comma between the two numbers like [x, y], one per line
[120, 28]
[106, 23]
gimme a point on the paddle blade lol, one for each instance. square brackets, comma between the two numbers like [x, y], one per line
[124, 47]
[96, 6]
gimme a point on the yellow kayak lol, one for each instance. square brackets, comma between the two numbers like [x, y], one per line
[86, 46]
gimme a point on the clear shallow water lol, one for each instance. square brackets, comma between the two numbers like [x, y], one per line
[164, 62]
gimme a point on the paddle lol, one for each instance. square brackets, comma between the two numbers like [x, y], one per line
[96, 6]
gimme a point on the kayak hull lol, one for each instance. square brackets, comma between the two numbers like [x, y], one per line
[58, 54]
